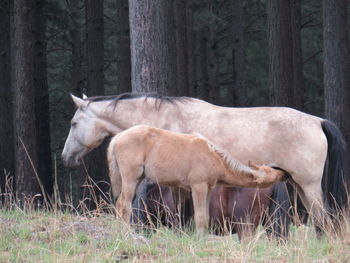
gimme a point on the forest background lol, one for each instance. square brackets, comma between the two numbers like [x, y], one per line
[229, 52]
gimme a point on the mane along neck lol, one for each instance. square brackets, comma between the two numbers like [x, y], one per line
[232, 164]
[125, 113]
[170, 113]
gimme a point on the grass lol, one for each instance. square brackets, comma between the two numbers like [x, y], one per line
[38, 236]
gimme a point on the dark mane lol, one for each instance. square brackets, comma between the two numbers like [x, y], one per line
[159, 99]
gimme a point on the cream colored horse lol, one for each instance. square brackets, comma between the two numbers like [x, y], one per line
[295, 141]
[178, 160]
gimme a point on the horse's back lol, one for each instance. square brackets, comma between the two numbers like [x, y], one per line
[167, 157]
[279, 135]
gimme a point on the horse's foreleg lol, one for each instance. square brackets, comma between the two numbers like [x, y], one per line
[200, 195]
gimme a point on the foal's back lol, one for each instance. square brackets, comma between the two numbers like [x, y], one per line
[168, 158]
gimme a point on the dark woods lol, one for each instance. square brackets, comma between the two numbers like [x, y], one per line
[228, 52]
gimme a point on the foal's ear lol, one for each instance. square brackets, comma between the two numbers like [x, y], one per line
[84, 97]
[253, 165]
[78, 101]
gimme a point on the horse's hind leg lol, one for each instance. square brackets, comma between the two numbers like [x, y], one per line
[312, 198]
[130, 180]
[200, 195]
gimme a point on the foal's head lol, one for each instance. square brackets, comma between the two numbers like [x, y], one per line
[86, 133]
[269, 175]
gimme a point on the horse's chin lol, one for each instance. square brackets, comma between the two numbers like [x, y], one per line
[71, 162]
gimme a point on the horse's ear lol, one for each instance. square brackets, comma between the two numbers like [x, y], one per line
[84, 96]
[253, 165]
[78, 101]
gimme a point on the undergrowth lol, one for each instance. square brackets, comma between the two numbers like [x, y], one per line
[58, 232]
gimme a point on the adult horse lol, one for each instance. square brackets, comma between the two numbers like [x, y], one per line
[294, 141]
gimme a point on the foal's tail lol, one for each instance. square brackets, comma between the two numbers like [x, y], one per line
[140, 202]
[114, 174]
[336, 182]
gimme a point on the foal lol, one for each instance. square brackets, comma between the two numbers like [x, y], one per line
[177, 160]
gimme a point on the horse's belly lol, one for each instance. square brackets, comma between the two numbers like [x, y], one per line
[167, 177]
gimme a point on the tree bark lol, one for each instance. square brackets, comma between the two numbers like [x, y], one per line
[24, 91]
[94, 39]
[77, 177]
[153, 46]
[123, 47]
[202, 63]
[298, 77]
[76, 79]
[42, 110]
[280, 52]
[189, 47]
[96, 161]
[239, 90]
[335, 66]
[6, 127]
[182, 55]
[213, 85]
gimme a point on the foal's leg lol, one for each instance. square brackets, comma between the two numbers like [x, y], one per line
[130, 180]
[124, 202]
[200, 195]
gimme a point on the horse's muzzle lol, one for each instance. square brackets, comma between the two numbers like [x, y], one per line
[71, 161]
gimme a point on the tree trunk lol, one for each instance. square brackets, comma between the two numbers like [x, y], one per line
[197, 66]
[239, 90]
[96, 161]
[24, 91]
[213, 85]
[77, 177]
[123, 47]
[202, 63]
[42, 111]
[153, 54]
[94, 39]
[189, 47]
[335, 67]
[75, 32]
[153, 46]
[298, 77]
[280, 52]
[182, 55]
[6, 128]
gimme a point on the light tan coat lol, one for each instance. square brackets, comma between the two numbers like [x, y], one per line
[178, 160]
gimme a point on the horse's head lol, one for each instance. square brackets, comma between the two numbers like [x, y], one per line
[86, 133]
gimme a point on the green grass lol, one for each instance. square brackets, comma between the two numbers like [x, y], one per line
[60, 237]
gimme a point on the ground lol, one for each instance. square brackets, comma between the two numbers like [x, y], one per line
[37, 236]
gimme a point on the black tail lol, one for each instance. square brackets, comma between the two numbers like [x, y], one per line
[335, 182]
[278, 219]
[139, 211]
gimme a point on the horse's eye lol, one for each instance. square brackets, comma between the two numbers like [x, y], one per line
[73, 124]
